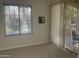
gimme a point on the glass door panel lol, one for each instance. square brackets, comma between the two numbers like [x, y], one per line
[70, 27]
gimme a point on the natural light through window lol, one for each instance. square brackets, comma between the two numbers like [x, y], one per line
[17, 20]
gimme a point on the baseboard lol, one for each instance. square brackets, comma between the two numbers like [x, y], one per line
[26, 45]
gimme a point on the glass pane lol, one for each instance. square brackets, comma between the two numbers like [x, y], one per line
[70, 27]
[25, 14]
[11, 7]
[21, 17]
[13, 26]
[29, 25]
[21, 11]
[26, 11]
[11, 21]
[25, 27]
[11, 10]
[16, 18]
[29, 17]
[29, 13]
[14, 10]
[29, 10]
[6, 18]
[25, 17]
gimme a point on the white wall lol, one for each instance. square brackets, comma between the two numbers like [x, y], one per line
[57, 24]
[41, 32]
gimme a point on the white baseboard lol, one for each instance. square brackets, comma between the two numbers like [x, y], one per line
[26, 45]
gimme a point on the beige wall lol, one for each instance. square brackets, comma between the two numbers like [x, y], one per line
[40, 33]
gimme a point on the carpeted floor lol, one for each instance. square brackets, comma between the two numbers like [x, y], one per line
[38, 51]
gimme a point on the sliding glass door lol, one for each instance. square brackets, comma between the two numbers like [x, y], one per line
[71, 23]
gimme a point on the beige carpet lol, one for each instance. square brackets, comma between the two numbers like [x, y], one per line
[38, 51]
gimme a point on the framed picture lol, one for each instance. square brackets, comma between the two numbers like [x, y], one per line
[41, 20]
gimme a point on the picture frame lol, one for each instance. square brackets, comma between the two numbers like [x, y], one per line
[42, 20]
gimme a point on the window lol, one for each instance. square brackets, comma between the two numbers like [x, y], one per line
[17, 19]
